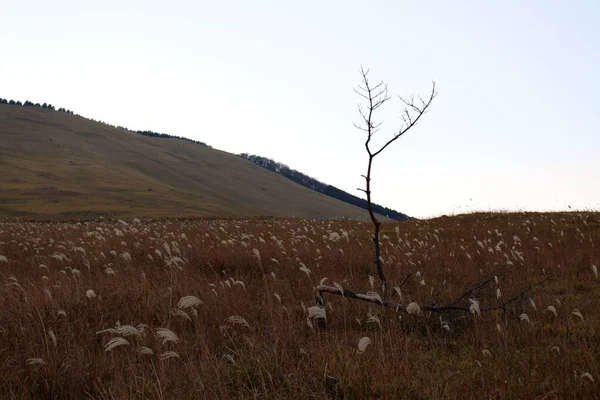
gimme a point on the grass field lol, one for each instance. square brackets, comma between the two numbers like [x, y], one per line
[55, 165]
[220, 309]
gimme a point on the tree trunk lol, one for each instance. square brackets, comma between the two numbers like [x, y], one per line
[377, 225]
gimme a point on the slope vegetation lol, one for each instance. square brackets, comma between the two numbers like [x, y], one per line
[321, 187]
[60, 165]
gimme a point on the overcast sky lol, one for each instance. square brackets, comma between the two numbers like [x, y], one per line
[516, 124]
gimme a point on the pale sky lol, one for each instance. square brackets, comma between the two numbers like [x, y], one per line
[516, 124]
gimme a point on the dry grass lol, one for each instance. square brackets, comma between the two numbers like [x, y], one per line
[105, 309]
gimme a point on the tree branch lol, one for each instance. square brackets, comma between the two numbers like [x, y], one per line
[409, 119]
[433, 308]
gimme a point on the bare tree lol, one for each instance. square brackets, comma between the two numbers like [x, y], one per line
[375, 96]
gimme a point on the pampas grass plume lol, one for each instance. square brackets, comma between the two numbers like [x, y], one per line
[376, 296]
[532, 304]
[588, 376]
[304, 269]
[237, 320]
[398, 291]
[363, 343]
[374, 319]
[189, 301]
[316, 312]
[524, 317]
[166, 335]
[256, 254]
[169, 354]
[474, 307]
[145, 351]
[115, 342]
[413, 308]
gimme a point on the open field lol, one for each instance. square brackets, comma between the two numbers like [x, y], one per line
[105, 309]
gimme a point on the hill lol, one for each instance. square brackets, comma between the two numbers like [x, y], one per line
[60, 165]
[321, 187]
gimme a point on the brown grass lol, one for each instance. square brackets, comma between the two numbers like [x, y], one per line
[250, 338]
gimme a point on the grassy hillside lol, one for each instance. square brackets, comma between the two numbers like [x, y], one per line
[55, 164]
[314, 184]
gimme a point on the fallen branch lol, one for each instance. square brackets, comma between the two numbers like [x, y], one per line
[372, 298]
[353, 295]
[479, 285]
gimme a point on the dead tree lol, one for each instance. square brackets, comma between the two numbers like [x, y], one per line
[375, 96]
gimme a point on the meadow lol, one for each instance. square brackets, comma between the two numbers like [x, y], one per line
[188, 309]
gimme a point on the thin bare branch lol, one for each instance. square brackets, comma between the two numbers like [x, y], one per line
[410, 120]
[404, 281]
[479, 285]
[361, 95]
[360, 128]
